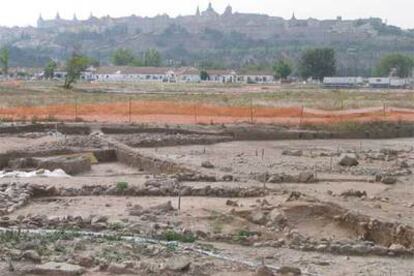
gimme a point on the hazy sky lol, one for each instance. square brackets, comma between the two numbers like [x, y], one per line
[26, 12]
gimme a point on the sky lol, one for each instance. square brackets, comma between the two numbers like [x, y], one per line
[26, 12]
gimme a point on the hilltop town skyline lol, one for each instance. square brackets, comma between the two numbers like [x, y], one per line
[282, 9]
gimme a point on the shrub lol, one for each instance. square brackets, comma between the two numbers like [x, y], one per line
[174, 236]
[122, 186]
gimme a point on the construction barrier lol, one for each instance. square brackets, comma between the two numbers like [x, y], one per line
[170, 112]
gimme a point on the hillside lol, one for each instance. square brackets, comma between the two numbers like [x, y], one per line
[228, 39]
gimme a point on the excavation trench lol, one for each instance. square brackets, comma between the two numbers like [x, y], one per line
[356, 225]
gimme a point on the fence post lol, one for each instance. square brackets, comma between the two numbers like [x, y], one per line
[384, 110]
[251, 111]
[179, 197]
[76, 109]
[301, 115]
[129, 109]
[195, 113]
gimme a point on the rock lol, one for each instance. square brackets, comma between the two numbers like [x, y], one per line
[136, 210]
[201, 235]
[296, 153]
[348, 160]
[57, 269]
[227, 178]
[178, 264]
[232, 203]
[258, 217]
[150, 267]
[264, 271]
[293, 196]
[275, 178]
[164, 208]
[306, 177]
[288, 270]
[277, 217]
[31, 255]
[119, 269]
[85, 261]
[207, 165]
[403, 165]
[397, 247]
[389, 180]
[354, 193]
[99, 219]
[362, 249]
[98, 226]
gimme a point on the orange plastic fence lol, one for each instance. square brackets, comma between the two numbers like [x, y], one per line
[188, 113]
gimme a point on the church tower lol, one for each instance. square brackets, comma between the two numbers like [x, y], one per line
[198, 13]
[210, 12]
[40, 21]
[228, 11]
[91, 16]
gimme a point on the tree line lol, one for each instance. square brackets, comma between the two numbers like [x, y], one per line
[122, 57]
[321, 62]
[314, 63]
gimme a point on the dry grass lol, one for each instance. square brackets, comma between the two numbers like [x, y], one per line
[39, 93]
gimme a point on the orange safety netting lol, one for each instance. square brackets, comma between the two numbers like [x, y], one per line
[188, 113]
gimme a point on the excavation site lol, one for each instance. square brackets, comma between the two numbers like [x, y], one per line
[108, 199]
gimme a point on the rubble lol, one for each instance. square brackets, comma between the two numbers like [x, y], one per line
[354, 193]
[389, 180]
[178, 264]
[303, 177]
[348, 160]
[53, 268]
[207, 165]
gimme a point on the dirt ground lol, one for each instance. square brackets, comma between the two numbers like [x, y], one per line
[192, 204]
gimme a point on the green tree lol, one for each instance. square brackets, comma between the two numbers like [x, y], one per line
[4, 60]
[395, 65]
[50, 69]
[152, 58]
[204, 75]
[282, 69]
[137, 62]
[123, 57]
[93, 62]
[74, 67]
[318, 63]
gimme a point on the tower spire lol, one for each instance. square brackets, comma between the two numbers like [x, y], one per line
[40, 21]
[228, 11]
[198, 13]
